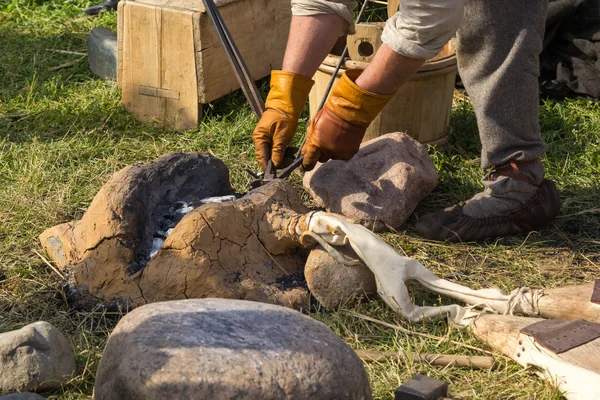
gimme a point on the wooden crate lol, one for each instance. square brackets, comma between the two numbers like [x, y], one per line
[170, 60]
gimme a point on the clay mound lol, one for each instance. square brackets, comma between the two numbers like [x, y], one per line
[236, 249]
[243, 249]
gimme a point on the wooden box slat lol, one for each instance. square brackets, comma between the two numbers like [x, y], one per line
[171, 60]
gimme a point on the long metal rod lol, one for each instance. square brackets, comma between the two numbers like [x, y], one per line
[240, 69]
[333, 76]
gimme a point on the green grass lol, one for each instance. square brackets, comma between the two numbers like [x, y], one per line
[63, 133]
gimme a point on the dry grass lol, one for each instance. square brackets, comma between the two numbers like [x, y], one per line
[63, 133]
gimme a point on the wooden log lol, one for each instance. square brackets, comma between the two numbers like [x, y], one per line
[575, 372]
[445, 360]
[570, 302]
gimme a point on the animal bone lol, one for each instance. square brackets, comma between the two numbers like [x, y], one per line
[392, 270]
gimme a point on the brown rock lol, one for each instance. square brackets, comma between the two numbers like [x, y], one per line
[226, 349]
[35, 357]
[337, 285]
[382, 184]
[235, 249]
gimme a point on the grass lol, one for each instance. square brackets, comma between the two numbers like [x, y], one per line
[63, 133]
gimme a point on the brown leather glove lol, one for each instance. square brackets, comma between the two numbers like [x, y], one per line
[337, 130]
[277, 126]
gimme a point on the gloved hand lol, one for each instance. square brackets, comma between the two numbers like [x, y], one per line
[337, 130]
[277, 126]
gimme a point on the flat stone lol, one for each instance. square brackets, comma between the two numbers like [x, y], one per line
[337, 285]
[226, 349]
[382, 184]
[22, 396]
[35, 357]
[102, 53]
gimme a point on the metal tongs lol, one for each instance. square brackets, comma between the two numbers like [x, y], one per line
[248, 87]
[251, 91]
[271, 174]
[237, 62]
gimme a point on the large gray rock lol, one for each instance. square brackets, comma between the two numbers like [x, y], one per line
[35, 357]
[226, 349]
[338, 285]
[382, 184]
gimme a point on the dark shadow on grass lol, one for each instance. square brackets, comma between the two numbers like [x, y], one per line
[57, 112]
[572, 230]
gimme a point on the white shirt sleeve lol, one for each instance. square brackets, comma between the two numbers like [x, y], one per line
[343, 8]
[423, 27]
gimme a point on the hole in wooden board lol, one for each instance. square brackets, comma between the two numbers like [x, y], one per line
[365, 49]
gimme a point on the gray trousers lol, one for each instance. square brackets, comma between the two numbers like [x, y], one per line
[498, 49]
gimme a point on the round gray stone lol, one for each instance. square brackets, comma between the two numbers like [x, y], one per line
[226, 349]
[35, 357]
[334, 284]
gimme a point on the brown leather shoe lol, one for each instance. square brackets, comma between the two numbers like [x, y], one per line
[453, 225]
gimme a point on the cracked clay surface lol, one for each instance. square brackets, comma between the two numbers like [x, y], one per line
[238, 249]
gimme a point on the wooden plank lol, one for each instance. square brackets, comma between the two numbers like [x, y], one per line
[120, 14]
[575, 372]
[190, 5]
[363, 45]
[586, 356]
[178, 69]
[159, 82]
[157, 92]
[176, 50]
[392, 7]
[141, 54]
[259, 28]
[502, 332]
[570, 302]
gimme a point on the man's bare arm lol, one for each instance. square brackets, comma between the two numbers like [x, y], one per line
[388, 71]
[311, 39]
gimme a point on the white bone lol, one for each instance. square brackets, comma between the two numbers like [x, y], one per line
[392, 270]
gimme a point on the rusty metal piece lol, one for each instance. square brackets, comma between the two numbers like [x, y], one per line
[596, 292]
[560, 336]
